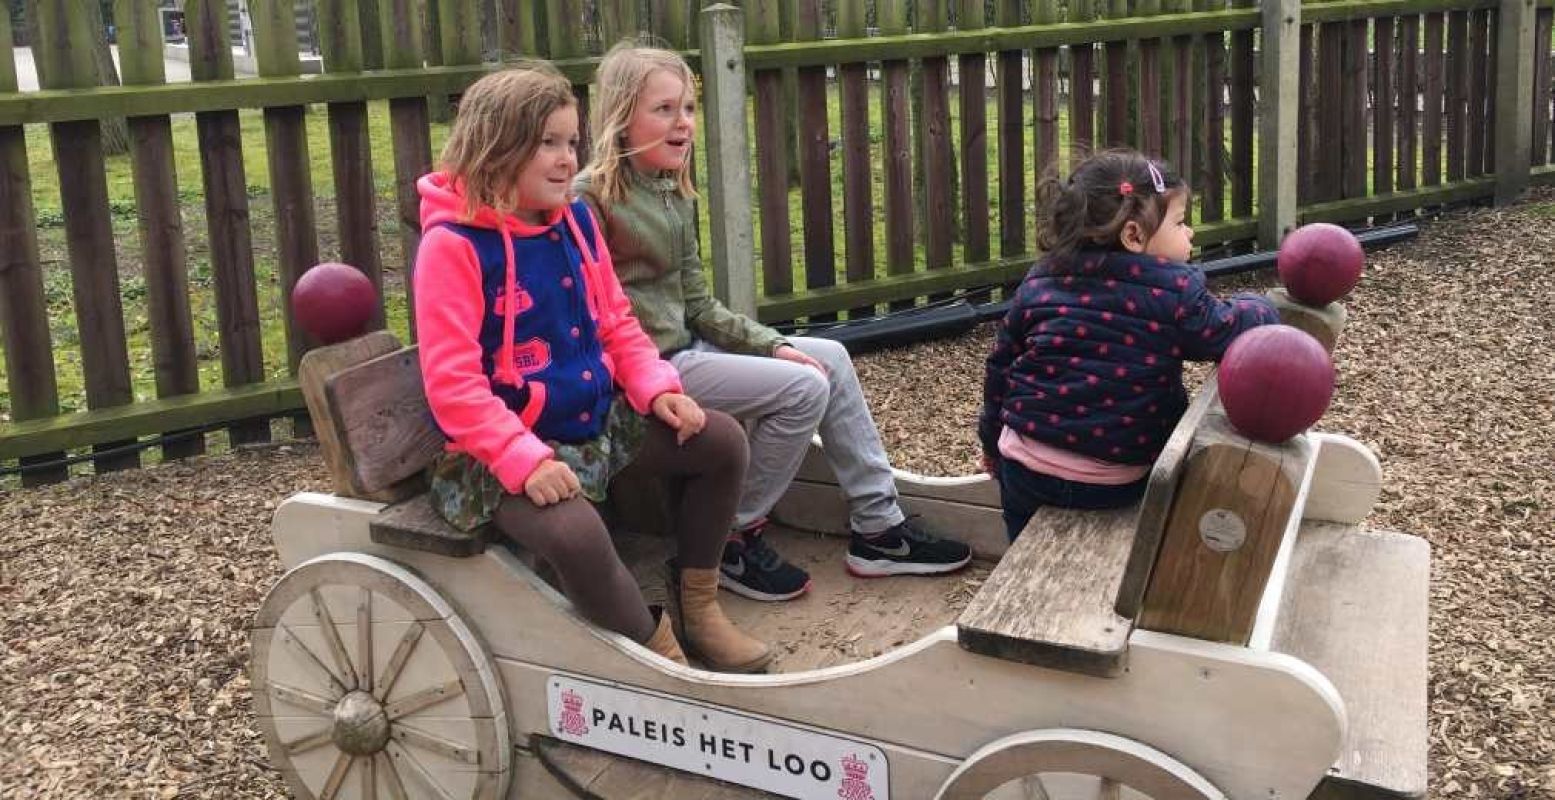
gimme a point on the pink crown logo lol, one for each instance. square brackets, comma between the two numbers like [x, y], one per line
[855, 781]
[572, 721]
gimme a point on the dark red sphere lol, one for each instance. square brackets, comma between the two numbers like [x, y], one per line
[1320, 263]
[334, 302]
[1275, 381]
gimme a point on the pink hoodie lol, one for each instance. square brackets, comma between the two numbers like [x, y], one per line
[450, 306]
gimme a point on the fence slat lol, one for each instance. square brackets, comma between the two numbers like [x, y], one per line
[1117, 85]
[1478, 95]
[820, 249]
[1457, 93]
[1082, 87]
[1044, 85]
[1354, 150]
[1432, 103]
[617, 20]
[858, 204]
[24, 311]
[1511, 118]
[1212, 130]
[1384, 109]
[1408, 100]
[564, 29]
[1242, 76]
[350, 148]
[291, 173]
[1177, 53]
[896, 149]
[409, 125]
[1009, 75]
[728, 158]
[163, 251]
[1277, 136]
[1328, 150]
[83, 188]
[1151, 100]
[972, 71]
[762, 23]
[1539, 144]
[938, 190]
[1306, 112]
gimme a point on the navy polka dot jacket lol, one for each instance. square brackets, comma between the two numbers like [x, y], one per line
[1089, 358]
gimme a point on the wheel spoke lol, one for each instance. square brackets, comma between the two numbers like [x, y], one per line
[364, 640]
[324, 706]
[430, 696]
[317, 738]
[290, 639]
[337, 777]
[415, 769]
[337, 648]
[437, 744]
[369, 778]
[391, 777]
[402, 651]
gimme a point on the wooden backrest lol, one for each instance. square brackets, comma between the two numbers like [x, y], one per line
[370, 414]
[1156, 506]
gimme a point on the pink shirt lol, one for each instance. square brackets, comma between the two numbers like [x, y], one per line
[1070, 466]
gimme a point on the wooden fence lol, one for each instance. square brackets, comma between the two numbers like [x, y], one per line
[931, 129]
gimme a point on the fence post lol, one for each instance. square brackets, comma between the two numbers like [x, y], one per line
[728, 158]
[1280, 86]
[1514, 97]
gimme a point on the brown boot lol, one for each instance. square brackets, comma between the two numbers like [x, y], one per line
[708, 633]
[663, 641]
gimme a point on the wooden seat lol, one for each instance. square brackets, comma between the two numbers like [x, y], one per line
[1067, 591]
[1355, 608]
[416, 525]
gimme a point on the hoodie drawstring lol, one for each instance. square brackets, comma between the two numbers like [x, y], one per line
[505, 371]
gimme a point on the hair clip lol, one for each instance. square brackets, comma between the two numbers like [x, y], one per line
[1125, 188]
[1155, 177]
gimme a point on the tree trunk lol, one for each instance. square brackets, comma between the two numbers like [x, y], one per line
[116, 131]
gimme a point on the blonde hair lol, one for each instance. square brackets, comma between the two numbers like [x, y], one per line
[621, 77]
[500, 122]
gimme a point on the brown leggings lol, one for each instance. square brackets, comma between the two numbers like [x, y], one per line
[572, 538]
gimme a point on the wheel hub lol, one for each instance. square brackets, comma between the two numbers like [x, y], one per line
[361, 726]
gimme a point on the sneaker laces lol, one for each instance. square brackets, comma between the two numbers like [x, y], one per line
[910, 531]
[760, 553]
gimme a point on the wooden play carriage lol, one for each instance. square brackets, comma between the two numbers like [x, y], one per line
[1239, 634]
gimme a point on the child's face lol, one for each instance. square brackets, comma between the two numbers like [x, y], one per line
[1173, 240]
[660, 131]
[545, 181]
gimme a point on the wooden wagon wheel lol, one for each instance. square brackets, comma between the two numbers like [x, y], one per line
[368, 685]
[1067, 764]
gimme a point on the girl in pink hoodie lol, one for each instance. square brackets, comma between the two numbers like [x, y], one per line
[542, 380]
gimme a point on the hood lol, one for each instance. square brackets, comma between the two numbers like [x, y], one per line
[442, 200]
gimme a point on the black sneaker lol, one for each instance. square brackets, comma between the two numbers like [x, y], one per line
[751, 568]
[906, 549]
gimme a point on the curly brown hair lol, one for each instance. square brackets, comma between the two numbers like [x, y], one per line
[1102, 194]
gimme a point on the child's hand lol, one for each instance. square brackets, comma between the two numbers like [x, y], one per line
[551, 482]
[991, 466]
[681, 413]
[791, 353]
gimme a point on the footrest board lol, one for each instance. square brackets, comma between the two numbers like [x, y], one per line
[1050, 602]
[1355, 608]
[415, 525]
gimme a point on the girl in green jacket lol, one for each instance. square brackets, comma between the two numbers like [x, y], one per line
[785, 389]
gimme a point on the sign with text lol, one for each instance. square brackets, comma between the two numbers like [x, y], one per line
[711, 741]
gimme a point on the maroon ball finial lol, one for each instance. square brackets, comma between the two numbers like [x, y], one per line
[1320, 263]
[334, 302]
[1275, 381]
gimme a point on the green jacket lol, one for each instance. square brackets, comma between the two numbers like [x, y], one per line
[652, 236]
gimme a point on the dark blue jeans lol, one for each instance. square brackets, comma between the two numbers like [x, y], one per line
[1024, 491]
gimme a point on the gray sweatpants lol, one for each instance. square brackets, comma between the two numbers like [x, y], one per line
[783, 405]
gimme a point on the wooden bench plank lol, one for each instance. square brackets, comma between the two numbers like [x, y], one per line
[416, 525]
[1050, 601]
[379, 411]
[1356, 609]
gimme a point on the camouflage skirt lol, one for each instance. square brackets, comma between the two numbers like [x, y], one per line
[467, 494]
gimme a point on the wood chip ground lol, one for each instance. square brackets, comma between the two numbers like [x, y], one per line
[124, 599]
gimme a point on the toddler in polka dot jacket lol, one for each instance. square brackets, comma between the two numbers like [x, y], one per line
[1084, 383]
